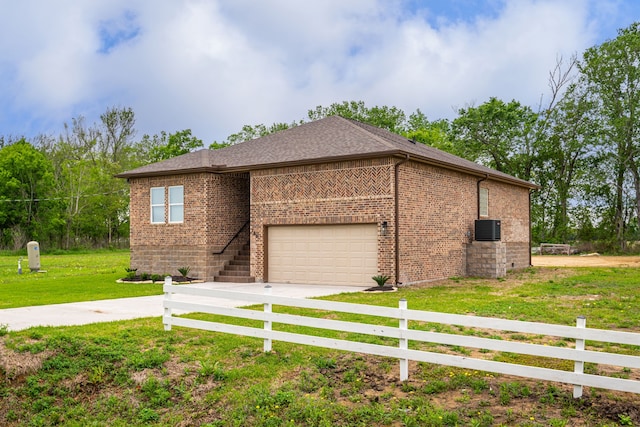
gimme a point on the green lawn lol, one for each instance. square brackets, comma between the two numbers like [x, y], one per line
[70, 277]
[133, 373]
[608, 297]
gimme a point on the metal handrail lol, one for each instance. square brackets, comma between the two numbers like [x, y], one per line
[232, 239]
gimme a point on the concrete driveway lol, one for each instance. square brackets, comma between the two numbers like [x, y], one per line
[82, 313]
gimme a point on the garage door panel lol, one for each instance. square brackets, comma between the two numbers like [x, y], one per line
[324, 254]
[315, 277]
[356, 263]
[315, 261]
[326, 246]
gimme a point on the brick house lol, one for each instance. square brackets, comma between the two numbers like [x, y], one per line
[333, 201]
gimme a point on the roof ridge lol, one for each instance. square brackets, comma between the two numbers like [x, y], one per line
[356, 124]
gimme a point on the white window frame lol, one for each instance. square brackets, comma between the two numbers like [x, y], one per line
[483, 200]
[176, 205]
[156, 205]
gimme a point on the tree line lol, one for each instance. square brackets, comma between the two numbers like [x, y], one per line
[61, 190]
[580, 146]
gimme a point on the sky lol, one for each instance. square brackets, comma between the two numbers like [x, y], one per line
[213, 66]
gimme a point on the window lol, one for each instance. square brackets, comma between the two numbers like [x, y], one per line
[157, 205]
[176, 203]
[483, 199]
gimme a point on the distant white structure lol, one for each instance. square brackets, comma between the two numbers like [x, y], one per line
[33, 253]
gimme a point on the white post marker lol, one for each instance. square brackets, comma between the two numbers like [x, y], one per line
[267, 323]
[578, 366]
[404, 343]
[167, 310]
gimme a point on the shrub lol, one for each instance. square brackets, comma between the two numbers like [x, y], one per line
[131, 272]
[380, 279]
[184, 271]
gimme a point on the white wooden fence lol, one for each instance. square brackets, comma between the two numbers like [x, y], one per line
[579, 355]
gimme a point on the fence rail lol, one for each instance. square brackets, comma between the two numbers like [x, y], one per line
[580, 333]
[555, 248]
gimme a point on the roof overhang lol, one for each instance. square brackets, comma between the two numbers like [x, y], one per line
[223, 169]
[469, 171]
[182, 171]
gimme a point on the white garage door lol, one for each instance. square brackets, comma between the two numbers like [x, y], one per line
[323, 254]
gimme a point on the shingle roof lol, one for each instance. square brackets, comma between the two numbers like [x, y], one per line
[329, 139]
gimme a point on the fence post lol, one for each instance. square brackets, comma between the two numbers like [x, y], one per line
[404, 343]
[167, 310]
[578, 367]
[267, 323]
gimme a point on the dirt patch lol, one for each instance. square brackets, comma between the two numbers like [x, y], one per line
[590, 260]
[14, 365]
[510, 400]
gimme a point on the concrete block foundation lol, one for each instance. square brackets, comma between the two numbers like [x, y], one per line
[487, 259]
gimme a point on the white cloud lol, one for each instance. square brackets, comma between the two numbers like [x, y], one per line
[508, 57]
[213, 66]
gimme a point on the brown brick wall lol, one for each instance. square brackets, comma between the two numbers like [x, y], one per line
[438, 208]
[334, 193]
[510, 204]
[215, 208]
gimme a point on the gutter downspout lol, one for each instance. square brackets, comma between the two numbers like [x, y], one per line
[486, 176]
[397, 215]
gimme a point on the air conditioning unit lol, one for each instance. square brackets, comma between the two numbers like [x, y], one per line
[487, 230]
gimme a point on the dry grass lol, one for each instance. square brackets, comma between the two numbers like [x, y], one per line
[590, 260]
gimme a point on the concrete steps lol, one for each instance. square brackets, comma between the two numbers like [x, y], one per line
[237, 270]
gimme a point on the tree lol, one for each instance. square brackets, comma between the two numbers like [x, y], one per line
[162, 147]
[498, 134]
[563, 139]
[435, 134]
[8, 140]
[85, 158]
[391, 118]
[115, 143]
[118, 128]
[26, 180]
[611, 75]
[75, 160]
[565, 158]
[249, 132]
